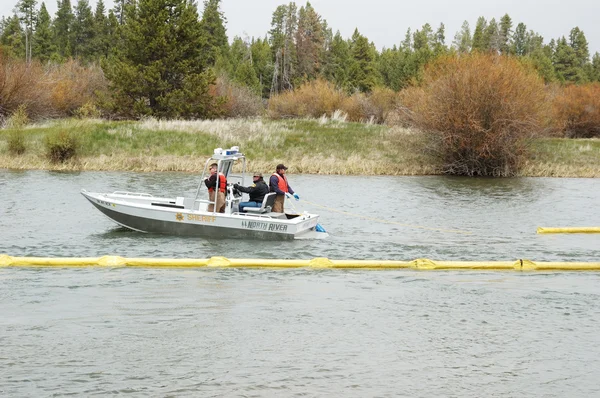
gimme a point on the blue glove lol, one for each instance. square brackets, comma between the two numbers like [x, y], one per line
[296, 196]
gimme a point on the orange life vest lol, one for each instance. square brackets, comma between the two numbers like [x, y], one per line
[222, 184]
[282, 183]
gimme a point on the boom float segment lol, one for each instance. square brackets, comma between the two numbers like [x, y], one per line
[569, 230]
[319, 262]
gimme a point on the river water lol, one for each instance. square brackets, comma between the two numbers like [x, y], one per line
[302, 332]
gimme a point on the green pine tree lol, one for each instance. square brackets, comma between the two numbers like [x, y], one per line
[310, 43]
[101, 38]
[262, 62]
[543, 64]
[491, 37]
[391, 65]
[579, 43]
[505, 34]
[246, 76]
[28, 16]
[595, 73]
[439, 41]
[83, 30]
[519, 44]
[13, 38]
[337, 62]
[536, 42]
[62, 29]
[158, 69]
[363, 74]
[423, 39]
[240, 64]
[479, 41]
[566, 63]
[213, 30]
[114, 34]
[422, 43]
[463, 40]
[43, 42]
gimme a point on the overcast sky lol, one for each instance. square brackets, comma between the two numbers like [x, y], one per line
[385, 22]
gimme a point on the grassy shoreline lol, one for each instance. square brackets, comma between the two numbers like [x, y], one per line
[309, 146]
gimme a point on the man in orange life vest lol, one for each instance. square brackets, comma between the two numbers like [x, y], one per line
[279, 184]
[211, 184]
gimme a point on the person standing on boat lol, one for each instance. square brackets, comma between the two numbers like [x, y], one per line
[279, 184]
[211, 184]
[257, 192]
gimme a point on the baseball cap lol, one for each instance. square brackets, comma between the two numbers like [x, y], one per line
[281, 166]
[257, 175]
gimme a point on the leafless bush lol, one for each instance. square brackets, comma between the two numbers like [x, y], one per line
[53, 90]
[73, 85]
[240, 100]
[576, 111]
[480, 111]
[313, 99]
[23, 84]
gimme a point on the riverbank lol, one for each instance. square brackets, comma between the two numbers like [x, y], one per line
[316, 146]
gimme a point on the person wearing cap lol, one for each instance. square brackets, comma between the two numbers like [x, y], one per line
[257, 192]
[279, 184]
[211, 183]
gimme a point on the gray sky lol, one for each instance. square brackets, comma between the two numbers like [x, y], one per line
[385, 22]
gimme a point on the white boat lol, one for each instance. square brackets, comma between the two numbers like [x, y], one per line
[190, 216]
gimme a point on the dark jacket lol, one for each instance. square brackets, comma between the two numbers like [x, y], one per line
[211, 181]
[256, 191]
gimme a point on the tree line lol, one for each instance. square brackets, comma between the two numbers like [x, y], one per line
[161, 57]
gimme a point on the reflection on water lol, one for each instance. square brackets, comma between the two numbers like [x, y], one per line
[235, 332]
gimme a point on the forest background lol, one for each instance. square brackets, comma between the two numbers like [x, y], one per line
[166, 60]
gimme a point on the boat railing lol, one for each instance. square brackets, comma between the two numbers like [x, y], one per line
[126, 193]
[258, 215]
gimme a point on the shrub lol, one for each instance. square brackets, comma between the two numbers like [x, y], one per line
[370, 108]
[382, 102]
[18, 119]
[88, 111]
[312, 99]
[240, 101]
[53, 90]
[16, 142]
[23, 84]
[480, 111]
[354, 107]
[73, 85]
[576, 111]
[16, 139]
[407, 101]
[61, 146]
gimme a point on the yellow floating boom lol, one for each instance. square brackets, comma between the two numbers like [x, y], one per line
[569, 230]
[319, 262]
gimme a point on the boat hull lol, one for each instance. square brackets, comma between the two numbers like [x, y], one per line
[146, 216]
